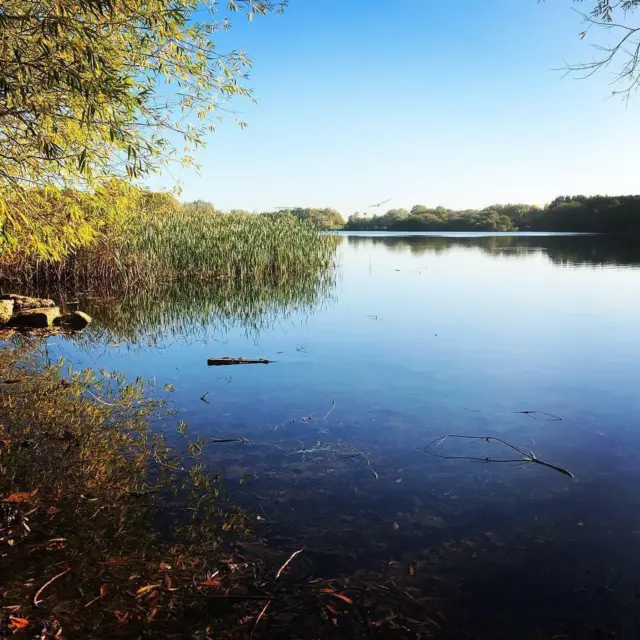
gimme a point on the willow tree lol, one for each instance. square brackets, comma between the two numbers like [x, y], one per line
[109, 88]
[621, 55]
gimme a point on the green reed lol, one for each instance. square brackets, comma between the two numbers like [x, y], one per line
[201, 245]
[157, 245]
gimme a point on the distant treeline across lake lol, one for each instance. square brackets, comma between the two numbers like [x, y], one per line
[589, 214]
[594, 214]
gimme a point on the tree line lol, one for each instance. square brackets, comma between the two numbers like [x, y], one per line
[588, 214]
[573, 214]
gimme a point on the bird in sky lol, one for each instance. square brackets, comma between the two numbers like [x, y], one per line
[380, 203]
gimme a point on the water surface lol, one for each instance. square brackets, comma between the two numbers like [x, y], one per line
[423, 335]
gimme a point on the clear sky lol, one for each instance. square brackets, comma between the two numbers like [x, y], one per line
[457, 103]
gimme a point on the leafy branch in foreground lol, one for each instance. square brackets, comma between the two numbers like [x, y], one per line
[613, 17]
[524, 456]
[94, 88]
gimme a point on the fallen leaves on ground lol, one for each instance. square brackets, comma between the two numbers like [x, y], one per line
[18, 496]
[213, 582]
[18, 623]
[149, 587]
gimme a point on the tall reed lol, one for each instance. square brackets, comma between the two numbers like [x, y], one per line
[162, 242]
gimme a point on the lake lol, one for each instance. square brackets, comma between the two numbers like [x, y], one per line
[533, 339]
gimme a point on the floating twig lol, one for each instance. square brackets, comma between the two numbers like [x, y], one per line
[280, 571]
[286, 564]
[264, 610]
[532, 414]
[226, 361]
[46, 584]
[204, 398]
[333, 406]
[222, 440]
[526, 456]
[357, 453]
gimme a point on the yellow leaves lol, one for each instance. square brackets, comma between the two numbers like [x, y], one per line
[97, 87]
[146, 589]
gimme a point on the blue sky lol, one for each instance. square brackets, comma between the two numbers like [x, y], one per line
[452, 103]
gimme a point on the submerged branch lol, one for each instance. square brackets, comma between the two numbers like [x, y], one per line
[525, 457]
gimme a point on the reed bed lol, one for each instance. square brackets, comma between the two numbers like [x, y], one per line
[173, 269]
[159, 245]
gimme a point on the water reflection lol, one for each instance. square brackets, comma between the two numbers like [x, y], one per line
[559, 248]
[191, 309]
[426, 336]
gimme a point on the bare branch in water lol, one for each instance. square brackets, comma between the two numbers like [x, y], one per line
[525, 456]
[333, 406]
[550, 417]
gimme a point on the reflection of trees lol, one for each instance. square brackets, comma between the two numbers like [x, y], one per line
[91, 493]
[562, 250]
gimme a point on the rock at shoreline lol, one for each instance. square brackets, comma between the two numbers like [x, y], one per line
[76, 320]
[36, 318]
[25, 303]
[23, 313]
[6, 311]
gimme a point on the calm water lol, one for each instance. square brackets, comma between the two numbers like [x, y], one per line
[420, 337]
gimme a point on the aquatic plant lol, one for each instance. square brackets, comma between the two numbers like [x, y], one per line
[160, 241]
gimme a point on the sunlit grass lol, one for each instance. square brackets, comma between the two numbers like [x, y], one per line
[156, 247]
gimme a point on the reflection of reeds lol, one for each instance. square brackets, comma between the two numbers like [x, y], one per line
[187, 308]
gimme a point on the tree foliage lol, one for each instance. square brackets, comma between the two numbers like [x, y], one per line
[590, 214]
[49, 222]
[321, 218]
[94, 88]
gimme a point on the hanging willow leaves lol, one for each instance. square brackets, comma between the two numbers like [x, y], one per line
[95, 88]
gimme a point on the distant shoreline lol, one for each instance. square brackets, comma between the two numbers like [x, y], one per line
[470, 234]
